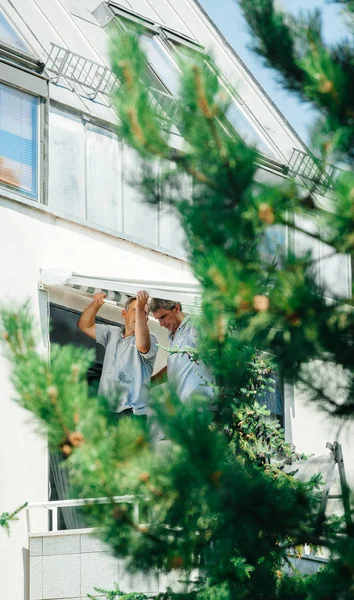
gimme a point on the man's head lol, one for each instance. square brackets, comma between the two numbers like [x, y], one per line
[167, 312]
[129, 314]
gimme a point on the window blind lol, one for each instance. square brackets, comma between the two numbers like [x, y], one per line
[18, 140]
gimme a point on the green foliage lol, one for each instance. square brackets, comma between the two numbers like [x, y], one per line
[195, 499]
[316, 72]
[6, 518]
[114, 594]
[274, 307]
[56, 391]
[216, 500]
[251, 305]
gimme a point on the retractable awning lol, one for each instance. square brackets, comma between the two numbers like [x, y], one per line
[187, 292]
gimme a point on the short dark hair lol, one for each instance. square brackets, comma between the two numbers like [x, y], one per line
[157, 303]
[129, 301]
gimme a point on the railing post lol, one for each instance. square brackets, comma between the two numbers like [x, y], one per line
[54, 518]
[136, 513]
[28, 520]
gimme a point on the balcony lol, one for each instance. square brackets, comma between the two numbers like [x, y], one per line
[69, 564]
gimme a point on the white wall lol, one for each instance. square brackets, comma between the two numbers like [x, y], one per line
[32, 239]
[309, 428]
[23, 465]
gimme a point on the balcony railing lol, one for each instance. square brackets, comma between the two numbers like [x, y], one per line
[312, 169]
[95, 78]
[53, 506]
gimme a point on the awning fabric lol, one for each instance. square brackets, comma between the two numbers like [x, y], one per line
[118, 290]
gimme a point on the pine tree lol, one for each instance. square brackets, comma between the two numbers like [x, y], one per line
[215, 504]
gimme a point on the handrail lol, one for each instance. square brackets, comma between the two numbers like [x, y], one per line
[53, 505]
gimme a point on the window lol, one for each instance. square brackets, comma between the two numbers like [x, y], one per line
[9, 36]
[273, 244]
[243, 127]
[165, 49]
[64, 331]
[161, 63]
[91, 178]
[191, 54]
[67, 164]
[163, 73]
[19, 140]
[187, 54]
[14, 51]
[239, 122]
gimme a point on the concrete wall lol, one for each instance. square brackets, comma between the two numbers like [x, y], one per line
[68, 565]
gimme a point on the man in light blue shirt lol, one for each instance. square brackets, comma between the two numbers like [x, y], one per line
[130, 355]
[188, 376]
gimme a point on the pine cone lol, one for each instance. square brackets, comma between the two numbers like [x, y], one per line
[76, 439]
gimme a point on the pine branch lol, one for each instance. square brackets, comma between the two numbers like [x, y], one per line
[317, 73]
[192, 353]
[275, 40]
[348, 4]
[7, 518]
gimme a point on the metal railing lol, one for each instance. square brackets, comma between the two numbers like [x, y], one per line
[53, 506]
[95, 78]
[311, 168]
[90, 75]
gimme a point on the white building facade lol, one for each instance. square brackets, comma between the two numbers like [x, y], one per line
[67, 203]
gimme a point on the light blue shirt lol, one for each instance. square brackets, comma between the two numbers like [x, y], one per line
[126, 372]
[188, 376]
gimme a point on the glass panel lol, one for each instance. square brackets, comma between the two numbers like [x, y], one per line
[9, 36]
[187, 54]
[171, 234]
[335, 273]
[273, 244]
[104, 178]
[161, 63]
[67, 164]
[18, 140]
[140, 219]
[244, 128]
[237, 119]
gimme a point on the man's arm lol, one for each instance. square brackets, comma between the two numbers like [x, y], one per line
[142, 333]
[160, 377]
[86, 323]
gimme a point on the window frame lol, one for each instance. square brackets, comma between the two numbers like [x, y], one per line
[119, 14]
[168, 38]
[174, 37]
[151, 31]
[17, 192]
[118, 11]
[16, 57]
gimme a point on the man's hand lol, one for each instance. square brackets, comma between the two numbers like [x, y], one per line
[98, 298]
[142, 334]
[142, 298]
[87, 320]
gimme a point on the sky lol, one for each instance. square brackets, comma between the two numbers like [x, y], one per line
[227, 15]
